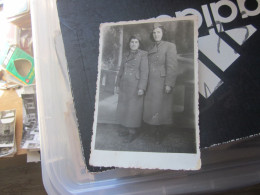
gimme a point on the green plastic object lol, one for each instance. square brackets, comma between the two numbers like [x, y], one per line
[19, 64]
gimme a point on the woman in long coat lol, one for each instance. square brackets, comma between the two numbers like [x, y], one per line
[162, 61]
[132, 81]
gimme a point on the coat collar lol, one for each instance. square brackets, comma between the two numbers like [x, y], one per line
[156, 47]
[131, 56]
[153, 50]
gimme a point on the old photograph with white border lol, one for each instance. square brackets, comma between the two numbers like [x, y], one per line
[146, 109]
[7, 129]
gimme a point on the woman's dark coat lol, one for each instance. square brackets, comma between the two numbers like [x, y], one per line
[132, 76]
[158, 106]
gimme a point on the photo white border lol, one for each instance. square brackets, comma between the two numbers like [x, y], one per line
[148, 160]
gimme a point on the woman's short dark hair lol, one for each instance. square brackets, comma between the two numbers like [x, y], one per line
[135, 36]
[163, 33]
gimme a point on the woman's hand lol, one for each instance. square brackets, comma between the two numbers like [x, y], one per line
[140, 92]
[168, 89]
[116, 90]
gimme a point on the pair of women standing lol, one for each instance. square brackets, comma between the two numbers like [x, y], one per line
[145, 82]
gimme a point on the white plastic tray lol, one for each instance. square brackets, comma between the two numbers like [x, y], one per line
[63, 165]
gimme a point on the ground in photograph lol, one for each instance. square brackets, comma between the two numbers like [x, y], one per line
[176, 139]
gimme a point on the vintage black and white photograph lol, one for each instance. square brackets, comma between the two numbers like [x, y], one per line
[6, 151]
[31, 137]
[146, 112]
[7, 129]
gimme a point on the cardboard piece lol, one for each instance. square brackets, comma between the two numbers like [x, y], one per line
[18, 14]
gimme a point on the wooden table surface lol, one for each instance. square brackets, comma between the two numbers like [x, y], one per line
[21, 178]
[16, 175]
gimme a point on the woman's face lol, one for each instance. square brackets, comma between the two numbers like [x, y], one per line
[157, 34]
[134, 44]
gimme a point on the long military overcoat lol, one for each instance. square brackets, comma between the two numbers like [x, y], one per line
[132, 76]
[162, 61]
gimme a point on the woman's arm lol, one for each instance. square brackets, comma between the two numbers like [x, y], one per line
[144, 70]
[120, 74]
[171, 65]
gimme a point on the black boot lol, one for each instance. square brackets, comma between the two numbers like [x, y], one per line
[131, 136]
[159, 135]
[123, 131]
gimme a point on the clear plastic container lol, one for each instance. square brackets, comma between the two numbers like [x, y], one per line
[226, 166]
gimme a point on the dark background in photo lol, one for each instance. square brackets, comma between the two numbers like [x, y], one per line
[180, 135]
